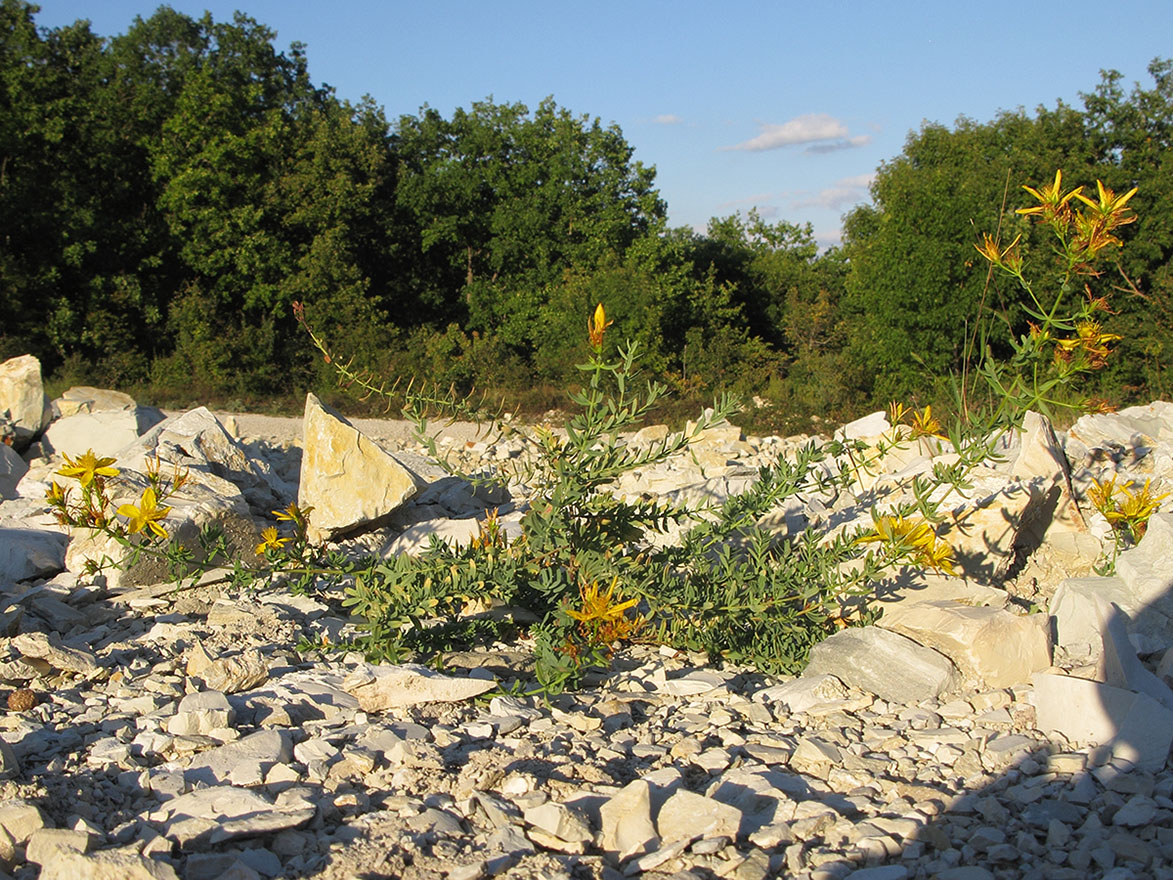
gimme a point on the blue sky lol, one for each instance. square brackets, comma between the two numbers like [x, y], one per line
[788, 107]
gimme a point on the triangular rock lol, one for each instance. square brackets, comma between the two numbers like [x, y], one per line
[348, 479]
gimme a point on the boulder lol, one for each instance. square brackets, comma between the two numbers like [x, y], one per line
[989, 532]
[891, 666]
[990, 645]
[23, 397]
[1142, 589]
[198, 442]
[86, 399]
[350, 481]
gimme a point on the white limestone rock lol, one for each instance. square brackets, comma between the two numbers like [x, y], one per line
[107, 432]
[379, 688]
[349, 480]
[87, 399]
[105, 865]
[990, 645]
[1127, 725]
[1142, 589]
[30, 553]
[889, 665]
[23, 396]
[626, 826]
[201, 713]
[12, 469]
[198, 442]
[687, 816]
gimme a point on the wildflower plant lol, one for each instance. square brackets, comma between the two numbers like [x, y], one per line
[136, 526]
[1066, 338]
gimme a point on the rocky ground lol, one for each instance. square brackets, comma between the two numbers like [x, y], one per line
[207, 734]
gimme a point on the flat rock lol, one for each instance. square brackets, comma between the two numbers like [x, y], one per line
[889, 665]
[223, 812]
[379, 688]
[687, 816]
[12, 470]
[30, 553]
[106, 865]
[106, 432]
[264, 748]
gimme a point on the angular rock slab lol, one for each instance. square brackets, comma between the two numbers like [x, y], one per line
[626, 826]
[347, 478]
[1128, 725]
[991, 645]
[12, 469]
[223, 812]
[29, 553]
[23, 395]
[106, 865]
[1142, 588]
[107, 432]
[884, 663]
[379, 688]
[199, 442]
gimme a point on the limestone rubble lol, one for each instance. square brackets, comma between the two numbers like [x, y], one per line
[1012, 723]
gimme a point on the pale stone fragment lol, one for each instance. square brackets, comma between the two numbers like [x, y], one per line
[990, 645]
[889, 665]
[626, 821]
[379, 688]
[348, 479]
[1130, 726]
[687, 816]
[23, 396]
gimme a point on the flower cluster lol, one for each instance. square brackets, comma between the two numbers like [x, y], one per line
[1127, 510]
[910, 539]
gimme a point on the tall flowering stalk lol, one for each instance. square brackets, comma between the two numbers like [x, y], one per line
[1066, 337]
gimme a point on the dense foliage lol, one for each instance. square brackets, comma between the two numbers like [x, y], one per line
[168, 193]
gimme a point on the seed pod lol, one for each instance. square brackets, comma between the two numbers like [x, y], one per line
[21, 700]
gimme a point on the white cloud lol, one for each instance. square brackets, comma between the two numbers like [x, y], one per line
[859, 140]
[843, 193]
[808, 129]
[667, 119]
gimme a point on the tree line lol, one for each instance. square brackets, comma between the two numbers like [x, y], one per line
[167, 194]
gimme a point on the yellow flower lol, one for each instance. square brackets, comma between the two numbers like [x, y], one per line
[87, 468]
[270, 541]
[1090, 337]
[1110, 207]
[146, 514]
[914, 538]
[1052, 201]
[596, 605]
[1008, 257]
[924, 425]
[597, 326]
[294, 514]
